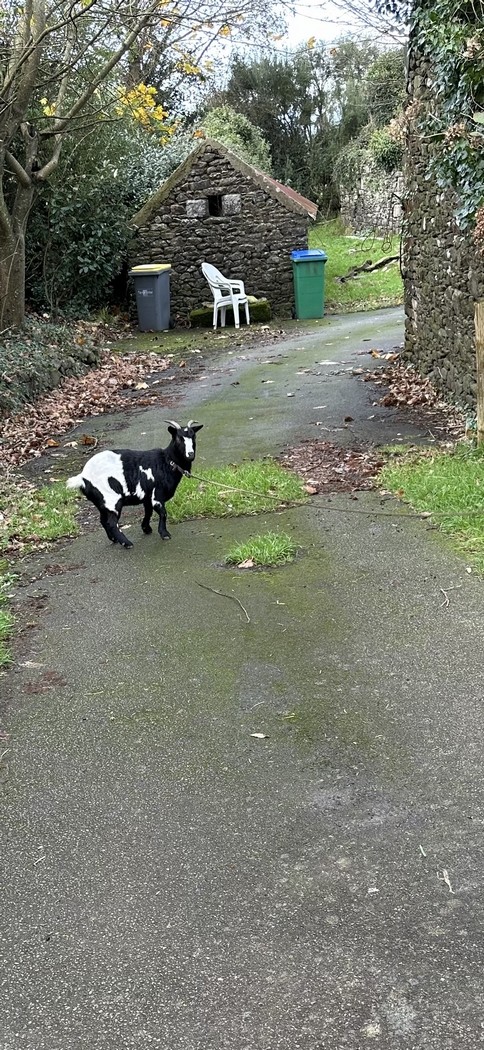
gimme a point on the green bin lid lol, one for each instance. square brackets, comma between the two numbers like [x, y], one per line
[150, 268]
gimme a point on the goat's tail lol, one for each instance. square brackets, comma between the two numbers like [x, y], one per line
[75, 482]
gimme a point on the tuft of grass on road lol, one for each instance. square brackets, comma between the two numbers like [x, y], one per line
[266, 486]
[449, 485]
[31, 516]
[270, 548]
[368, 291]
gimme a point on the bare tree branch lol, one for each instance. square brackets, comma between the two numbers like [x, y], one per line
[109, 65]
[14, 165]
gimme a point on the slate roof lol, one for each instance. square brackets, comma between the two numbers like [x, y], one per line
[284, 194]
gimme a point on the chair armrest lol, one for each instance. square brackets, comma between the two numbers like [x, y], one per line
[237, 286]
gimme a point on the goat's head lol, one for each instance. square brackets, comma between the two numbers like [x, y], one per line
[184, 438]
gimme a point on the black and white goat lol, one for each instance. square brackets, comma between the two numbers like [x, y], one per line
[121, 477]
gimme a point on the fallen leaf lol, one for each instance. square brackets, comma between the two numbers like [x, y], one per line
[259, 736]
[87, 439]
[247, 564]
[141, 386]
[311, 489]
[51, 443]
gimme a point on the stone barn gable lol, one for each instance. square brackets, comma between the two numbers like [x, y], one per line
[217, 208]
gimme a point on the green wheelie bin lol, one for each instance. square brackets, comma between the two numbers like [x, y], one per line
[308, 275]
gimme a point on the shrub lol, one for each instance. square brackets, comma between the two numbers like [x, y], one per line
[233, 130]
[386, 152]
[78, 232]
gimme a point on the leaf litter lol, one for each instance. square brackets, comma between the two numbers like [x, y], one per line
[118, 379]
[326, 467]
[406, 388]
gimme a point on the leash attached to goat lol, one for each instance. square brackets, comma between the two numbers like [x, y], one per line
[219, 485]
[421, 515]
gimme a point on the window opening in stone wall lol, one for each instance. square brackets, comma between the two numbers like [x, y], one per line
[215, 204]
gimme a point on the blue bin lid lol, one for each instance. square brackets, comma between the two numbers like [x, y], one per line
[307, 254]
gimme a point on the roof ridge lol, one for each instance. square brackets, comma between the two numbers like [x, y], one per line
[290, 198]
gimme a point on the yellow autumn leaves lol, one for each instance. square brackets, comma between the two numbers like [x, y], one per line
[48, 109]
[140, 102]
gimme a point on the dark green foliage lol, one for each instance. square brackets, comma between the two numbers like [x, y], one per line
[274, 95]
[312, 104]
[203, 316]
[77, 242]
[78, 230]
[35, 359]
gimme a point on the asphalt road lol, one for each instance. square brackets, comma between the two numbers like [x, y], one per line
[170, 880]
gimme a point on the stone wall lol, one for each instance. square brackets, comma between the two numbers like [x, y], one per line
[444, 274]
[251, 239]
[374, 204]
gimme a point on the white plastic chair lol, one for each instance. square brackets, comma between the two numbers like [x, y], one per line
[225, 293]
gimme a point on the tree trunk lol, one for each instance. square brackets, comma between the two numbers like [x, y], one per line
[12, 283]
[12, 261]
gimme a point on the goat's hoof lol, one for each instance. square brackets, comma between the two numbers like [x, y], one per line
[127, 543]
[147, 529]
[165, 535]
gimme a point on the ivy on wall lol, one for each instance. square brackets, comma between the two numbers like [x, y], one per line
[450, 35]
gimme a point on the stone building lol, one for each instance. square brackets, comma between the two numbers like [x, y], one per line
[443, 271]
[217, 208]
[374, 203]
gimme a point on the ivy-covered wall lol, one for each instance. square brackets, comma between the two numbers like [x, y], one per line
[443, 264]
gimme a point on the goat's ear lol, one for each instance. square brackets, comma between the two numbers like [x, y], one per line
[197, 426]
[173, 431]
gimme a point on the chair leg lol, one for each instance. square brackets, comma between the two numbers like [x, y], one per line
[222, 314]
[215, 315]
[247, 314]
[235, 307]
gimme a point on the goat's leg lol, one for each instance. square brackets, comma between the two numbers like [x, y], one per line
[161, 511]
[145, 524]
[113, 530]
[106, 524]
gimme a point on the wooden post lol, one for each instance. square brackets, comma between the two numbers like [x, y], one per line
[479, 326]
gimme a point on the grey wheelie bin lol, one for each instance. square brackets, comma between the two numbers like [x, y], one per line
[152, 291]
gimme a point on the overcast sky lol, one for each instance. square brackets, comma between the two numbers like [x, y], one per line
[328, 20]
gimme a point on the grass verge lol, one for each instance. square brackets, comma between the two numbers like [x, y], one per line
[448, 485]
[265, 485]
[367, 291]
[31, 516]
[6, 618]
[270, 548]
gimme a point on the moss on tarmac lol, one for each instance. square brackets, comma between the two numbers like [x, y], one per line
[176, 881]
